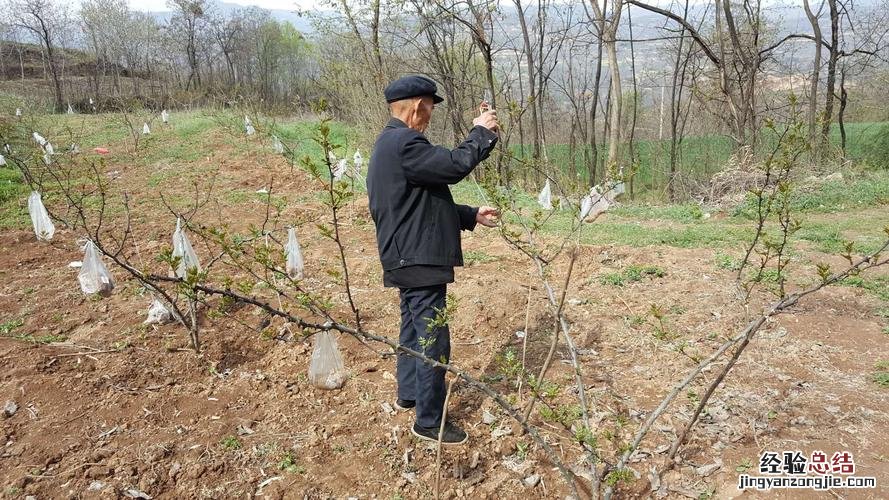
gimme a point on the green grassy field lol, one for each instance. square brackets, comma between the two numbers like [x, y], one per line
[703, 156]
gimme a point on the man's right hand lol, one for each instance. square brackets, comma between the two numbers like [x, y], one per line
[488, 119]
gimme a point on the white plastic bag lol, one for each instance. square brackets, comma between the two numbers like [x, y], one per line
[340, 169]
[43, 226]
[326, 370]
[48, 149]
[182, 248]
[358, 161]
[276, 145]
[70, 109]
[165, 117]
[2, 161]
[18, 111]
[248, 126]
[545, 198]
[39, 139]
[145, 129]
[158, 313]
[47, 159]
[94, 276]
[593, 204]
[294, 266]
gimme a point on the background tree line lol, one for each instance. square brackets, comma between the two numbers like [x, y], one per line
[658, 94]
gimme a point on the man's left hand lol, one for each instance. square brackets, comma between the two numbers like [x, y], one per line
[486, 215]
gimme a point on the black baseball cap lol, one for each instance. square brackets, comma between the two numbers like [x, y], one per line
[412, 86]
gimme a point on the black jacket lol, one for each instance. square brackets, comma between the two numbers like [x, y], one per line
[416, 218]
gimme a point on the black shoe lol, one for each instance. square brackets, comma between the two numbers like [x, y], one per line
[404, 404]
[452, 434]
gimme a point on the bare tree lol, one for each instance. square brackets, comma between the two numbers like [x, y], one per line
[609, 24]
[186, 24]
[45, 20]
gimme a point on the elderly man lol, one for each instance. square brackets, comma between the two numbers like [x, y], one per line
[418, 235]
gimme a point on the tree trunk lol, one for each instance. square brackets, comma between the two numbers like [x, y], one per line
[594, 146]
[615, 98]
[635, 106]
[532, 95]
[831, 73]
[811, 115]
[841, 113]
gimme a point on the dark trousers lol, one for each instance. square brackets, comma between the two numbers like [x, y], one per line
[417, 380]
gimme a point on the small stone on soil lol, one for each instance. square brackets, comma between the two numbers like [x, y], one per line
[9, 408]
[474, 462]
[532, 480]
[488, 418]
[134, 493]
[706, 470]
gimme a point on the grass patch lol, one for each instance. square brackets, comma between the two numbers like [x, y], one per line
[9, 326]
[8, 329]
[12, 191]
[881, 376]
[230, 443]
[562, 414]
[687, 212]
[878, 285]
[631, 274]
[472, 257]
[724, 261]
[856, 191]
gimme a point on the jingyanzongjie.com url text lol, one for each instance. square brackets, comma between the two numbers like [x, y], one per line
[816, 483]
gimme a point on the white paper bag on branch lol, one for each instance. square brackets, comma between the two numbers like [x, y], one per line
[43, 226]
[358, 161]
[326, 370]
[545, 198]
[158, 313]
[593, 204]
[340, 170]
[94, 276]
[294, 266]
[182, 248]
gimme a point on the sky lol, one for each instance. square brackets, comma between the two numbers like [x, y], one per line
[161, 5]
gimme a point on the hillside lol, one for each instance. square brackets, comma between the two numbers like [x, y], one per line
[108, 405]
